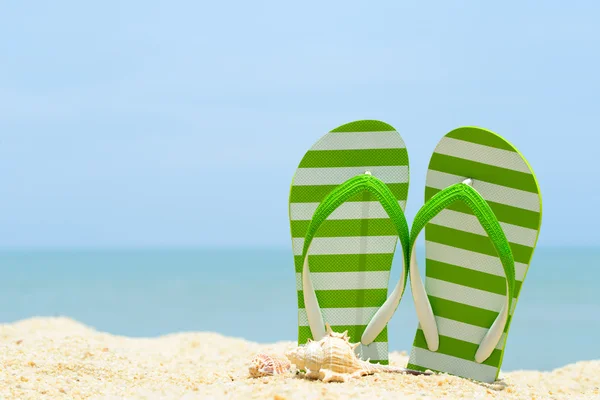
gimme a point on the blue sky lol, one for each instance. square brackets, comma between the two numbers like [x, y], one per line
[135, 124]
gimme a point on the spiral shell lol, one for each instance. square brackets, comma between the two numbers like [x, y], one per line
[333, 358]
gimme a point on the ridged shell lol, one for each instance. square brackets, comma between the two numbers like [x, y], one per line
[338, 355]
[267, 365]
[332, 355]
[333, 359]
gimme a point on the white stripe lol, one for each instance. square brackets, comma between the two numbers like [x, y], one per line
[349, 210]
[360, 140]
[341, 316]
[347, 245]
[339, 175]
[465, 332]
[470, 223]
[471, 260]
[452, 365]
[489, 191]
[465, 295]
[346, 280]
[482, 154]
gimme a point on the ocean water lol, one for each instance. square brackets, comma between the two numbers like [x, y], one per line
[250, 293]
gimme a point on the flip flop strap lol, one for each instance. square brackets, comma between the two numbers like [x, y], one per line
[332, 201]
[462, 192]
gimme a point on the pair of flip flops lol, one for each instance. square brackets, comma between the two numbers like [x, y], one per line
[481, 217]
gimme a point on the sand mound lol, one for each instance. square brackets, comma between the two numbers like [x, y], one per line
[61, 358]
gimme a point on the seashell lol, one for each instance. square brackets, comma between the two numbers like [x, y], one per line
[266, 365]
[332, 359]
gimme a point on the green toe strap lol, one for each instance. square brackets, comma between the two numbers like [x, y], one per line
[469, 196]
[334, 199]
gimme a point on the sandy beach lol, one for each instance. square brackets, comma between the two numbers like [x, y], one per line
[61, 358]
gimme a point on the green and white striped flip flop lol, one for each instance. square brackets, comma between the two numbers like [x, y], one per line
[346, 210]
[482, 219]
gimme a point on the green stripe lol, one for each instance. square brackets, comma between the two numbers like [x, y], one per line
[366, 125]
[473, 242]
[465, 313]
[347, 227]
[458, 348]
[481, 136]
[420, 368]
[346, 262]
[316, 194]
[483, 172]
[354, 158]
[354, 331]
[468, 277]
[507, 214]
[462, 312]
[347, 298]
[380, 362]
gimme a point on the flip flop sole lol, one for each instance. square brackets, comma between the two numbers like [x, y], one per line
[351, 255]
[465, 281]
